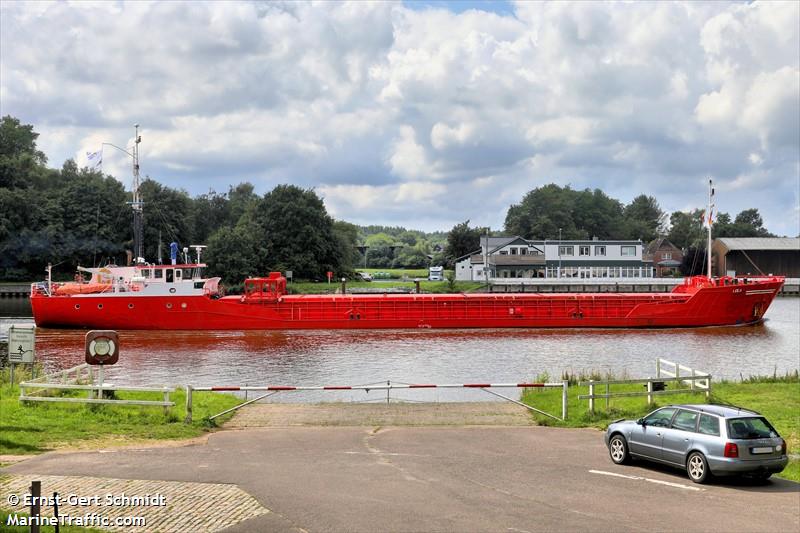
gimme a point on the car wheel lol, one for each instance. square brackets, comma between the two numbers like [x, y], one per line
[697, 468]
[762, 476]
[618, 450]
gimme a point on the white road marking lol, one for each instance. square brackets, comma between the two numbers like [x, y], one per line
[392, 454]
[657, 481]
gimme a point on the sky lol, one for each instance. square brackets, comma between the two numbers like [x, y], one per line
[422, 114]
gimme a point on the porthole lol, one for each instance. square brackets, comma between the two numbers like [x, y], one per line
[130, 306]
[183, 305]
[99, 306]
[169, 306]
[172, 290]
[77, 306]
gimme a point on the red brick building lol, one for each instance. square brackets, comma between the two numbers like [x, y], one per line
[666, 257]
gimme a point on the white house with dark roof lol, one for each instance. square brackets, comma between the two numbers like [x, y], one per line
[519, 258]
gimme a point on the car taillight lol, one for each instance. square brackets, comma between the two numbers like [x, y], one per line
[783, 447]
[731, 449]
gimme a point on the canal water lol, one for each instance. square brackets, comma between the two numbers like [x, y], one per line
[423, 356]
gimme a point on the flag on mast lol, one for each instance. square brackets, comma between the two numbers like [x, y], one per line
[710, 203]
[95, 158]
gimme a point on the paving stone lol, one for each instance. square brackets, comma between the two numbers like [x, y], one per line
[188, 506]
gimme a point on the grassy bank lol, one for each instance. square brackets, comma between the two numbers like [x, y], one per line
[309, 287]
[36, 427]
[776, 397]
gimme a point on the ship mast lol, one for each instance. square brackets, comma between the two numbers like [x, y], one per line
[710, 220]
[138, 223]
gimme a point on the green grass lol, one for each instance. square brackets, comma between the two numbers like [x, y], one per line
[36, 427]
[43, 529]
[777, 399]
[399, 273]
[307, 287]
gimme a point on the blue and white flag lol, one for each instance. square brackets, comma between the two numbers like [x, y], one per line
[95, 158]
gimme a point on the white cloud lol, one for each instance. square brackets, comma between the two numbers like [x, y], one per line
[422, 118]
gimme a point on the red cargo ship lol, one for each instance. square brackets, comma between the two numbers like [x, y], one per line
[176, 297]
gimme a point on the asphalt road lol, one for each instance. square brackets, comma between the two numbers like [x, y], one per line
[444, 479]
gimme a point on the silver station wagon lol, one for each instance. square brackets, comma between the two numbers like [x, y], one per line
[704, 439]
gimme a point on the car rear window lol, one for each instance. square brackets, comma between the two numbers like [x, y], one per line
[750, 428]
[709, 425]
[685, 420]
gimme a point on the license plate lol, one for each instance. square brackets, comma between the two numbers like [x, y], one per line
[762, 449]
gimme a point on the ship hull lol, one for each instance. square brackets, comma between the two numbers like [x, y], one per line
[707, 306]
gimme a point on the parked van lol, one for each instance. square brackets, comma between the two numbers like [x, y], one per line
[436, 273]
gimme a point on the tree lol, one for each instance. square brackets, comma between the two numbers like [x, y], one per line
[542, 212]
[20, 160]
[209, 212]
[686, 229]
[644, 218]
[409, 257]
[295, 232]
[462, 240]
[234, 253]
[346, 236]
[240, 199]
[167, 213]
[749, 223]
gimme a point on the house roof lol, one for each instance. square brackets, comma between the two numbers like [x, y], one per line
[657, 244]
[761, 243]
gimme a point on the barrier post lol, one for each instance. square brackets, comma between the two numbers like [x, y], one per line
[188, 419]
[36, 494]
[564, 385]
[591, 396]
[649, 392]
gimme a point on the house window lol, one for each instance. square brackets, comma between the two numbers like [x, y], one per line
[666, 255]
[599, 250]
[566, 250]
[629, 251]
[513, 251]
[503, 252]
[583, 250]
[523, 251]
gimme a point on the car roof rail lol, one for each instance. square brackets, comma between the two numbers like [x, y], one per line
[740, 409]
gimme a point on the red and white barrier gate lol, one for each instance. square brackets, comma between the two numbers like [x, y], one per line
[274, 389]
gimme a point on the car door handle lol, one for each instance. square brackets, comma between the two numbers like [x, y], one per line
[658, 434]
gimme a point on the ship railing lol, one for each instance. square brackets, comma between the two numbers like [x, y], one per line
[694, 382]
[388, 386]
